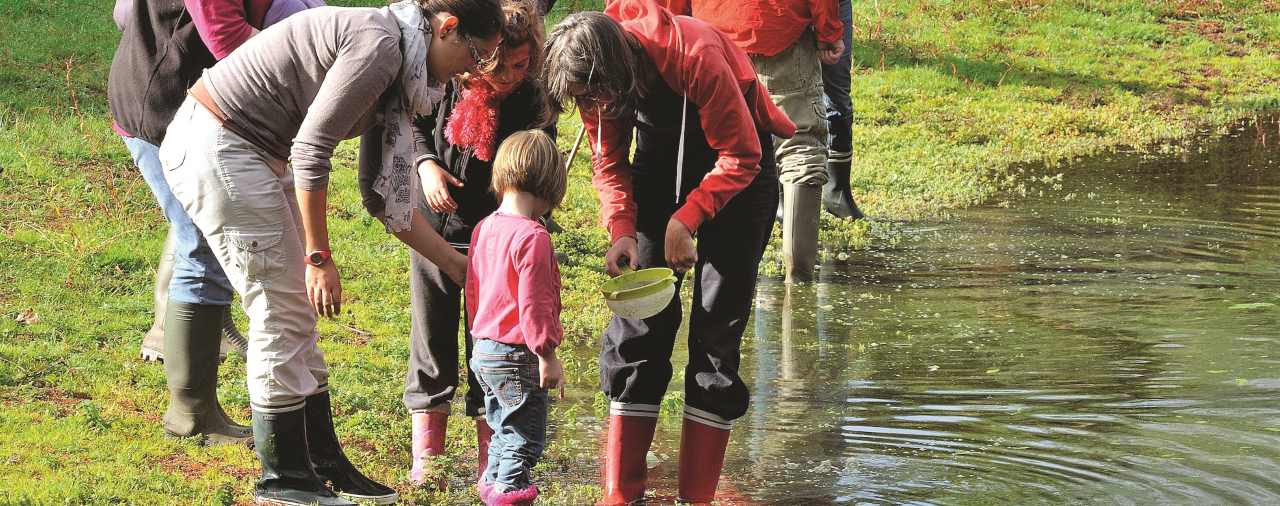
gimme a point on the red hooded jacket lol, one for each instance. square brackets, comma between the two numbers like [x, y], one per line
[766, 27]
[700, 63]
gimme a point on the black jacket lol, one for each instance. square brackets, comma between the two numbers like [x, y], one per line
[160, 55]
[518, 111]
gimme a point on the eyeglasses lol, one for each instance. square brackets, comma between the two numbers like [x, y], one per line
[481, 63]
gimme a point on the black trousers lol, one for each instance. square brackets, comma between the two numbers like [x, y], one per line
[635, 362]
[432, 380]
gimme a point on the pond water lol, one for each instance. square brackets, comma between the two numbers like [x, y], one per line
[1112, 338]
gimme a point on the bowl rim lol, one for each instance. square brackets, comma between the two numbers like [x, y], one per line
[662, 277]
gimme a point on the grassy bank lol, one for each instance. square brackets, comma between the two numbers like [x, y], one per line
[953, 100]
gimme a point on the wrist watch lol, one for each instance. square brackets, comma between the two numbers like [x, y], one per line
[319, 257]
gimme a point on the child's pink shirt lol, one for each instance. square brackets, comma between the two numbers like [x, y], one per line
[513, 283]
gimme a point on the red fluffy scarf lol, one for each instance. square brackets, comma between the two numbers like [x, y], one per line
[474, 122]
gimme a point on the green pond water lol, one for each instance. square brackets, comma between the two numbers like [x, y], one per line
[1110, 338]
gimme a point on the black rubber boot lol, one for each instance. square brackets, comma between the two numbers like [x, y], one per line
[837, 195]
[332, 464]
[288, 478]
[192, 336]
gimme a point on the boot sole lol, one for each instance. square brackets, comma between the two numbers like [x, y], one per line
[279, 502]
[150, 355]
[375, 499]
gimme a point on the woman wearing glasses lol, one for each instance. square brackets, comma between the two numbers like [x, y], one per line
[456, 146]
[265, 121]
[700, 119]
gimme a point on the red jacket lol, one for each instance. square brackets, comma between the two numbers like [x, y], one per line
[766, 27]
[700, 63]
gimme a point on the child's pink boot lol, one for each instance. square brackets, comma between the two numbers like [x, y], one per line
[428, 441]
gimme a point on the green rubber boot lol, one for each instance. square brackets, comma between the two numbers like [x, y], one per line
[192, 336]
[152, 349]
[801, 205]
[153, 341]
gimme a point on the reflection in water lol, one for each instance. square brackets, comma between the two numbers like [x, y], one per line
[1111, 338]
[1082, 346]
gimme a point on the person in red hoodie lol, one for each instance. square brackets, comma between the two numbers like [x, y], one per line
[700, 118]
[787, 42]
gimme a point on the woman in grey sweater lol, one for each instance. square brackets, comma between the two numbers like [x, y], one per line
[265, 121]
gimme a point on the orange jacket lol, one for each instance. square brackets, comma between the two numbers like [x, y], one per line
[699, 62]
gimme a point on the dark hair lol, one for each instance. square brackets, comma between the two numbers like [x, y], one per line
[480, 19]
[591, 49]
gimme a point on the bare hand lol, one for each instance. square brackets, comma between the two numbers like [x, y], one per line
[623, 250]
[830, 53]
[456, 269]
[435, 186]
[551, 373]
[324, 289]
[681, 253]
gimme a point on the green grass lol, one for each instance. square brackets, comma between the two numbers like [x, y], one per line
[957, 104]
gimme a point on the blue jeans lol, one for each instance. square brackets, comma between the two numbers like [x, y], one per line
[516, 409]
[836, 80]
[197, 277]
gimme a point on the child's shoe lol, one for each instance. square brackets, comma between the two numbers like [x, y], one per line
[521, 497]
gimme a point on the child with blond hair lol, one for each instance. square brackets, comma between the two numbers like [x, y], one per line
[513, 308]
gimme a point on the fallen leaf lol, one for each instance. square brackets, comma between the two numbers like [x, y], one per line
[28, 317]
[993, 370]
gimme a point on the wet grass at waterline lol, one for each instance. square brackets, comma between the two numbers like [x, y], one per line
[948, 98]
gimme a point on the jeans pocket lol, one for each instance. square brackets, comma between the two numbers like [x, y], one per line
[508, 385]
[257, 253]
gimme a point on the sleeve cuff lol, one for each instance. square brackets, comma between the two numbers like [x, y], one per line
[619, 229]
[690, 216]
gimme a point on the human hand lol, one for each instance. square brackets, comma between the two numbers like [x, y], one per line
[830, 53]
[435, 186]
[681, 253]
[324, 289]
[456, 268]
[551, 373]
[623, 248]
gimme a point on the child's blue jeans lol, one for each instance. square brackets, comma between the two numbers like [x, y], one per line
[516, 409]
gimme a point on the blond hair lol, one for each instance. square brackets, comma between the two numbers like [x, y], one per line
[528, 161]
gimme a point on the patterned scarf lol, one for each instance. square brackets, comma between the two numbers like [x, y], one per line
[412, 95]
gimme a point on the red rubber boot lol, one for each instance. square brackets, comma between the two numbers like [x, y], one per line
[701, 458]
[623, 475]
[484, 434]
[428, 441]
